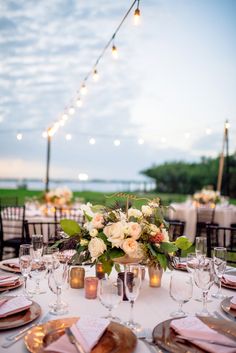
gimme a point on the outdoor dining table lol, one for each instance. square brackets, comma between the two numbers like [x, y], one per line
[152, 306]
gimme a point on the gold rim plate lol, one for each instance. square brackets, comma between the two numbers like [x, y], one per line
[18, 284]
[6, 268]
[225, 306]
[165, 337]
[117, 338]
[21, 318]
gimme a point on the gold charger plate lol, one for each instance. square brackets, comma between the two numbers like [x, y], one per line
[4, 267]
[117, 338]
[165, 337]
[16, 285]
[225, 306]
[231, 272]
[21, 318]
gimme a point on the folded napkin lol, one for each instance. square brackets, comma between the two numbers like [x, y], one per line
[229, 280]
[87, 330]
[13, 265]
[195, 328]
[13, 306]
[6, 281]
[233, 303]
[181, 266]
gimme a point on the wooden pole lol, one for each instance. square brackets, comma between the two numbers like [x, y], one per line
[48, 163]
[221, 160]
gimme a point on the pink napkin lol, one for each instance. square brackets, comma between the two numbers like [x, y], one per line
[181, 265]
[6, 281]
[13, 265]
[13, 306]
[87, 330]
[195, 328]
[233, 303]
[229, 279]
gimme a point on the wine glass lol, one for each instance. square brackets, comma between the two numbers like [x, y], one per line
[132, 281]
[201, 247]
[204, 277]
[25, 260]
[38, 266]
[56, 280]
[191, 262]
[219, 259]
[50, 255]
[110, 294]
[181, 290]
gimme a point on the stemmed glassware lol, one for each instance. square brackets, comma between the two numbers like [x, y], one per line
[219, 259]
[56, 280]
[25, 260]
[110, 294]
[132, 281]
[204, 277]
[37, 244]
[181, 290]
[201, 247]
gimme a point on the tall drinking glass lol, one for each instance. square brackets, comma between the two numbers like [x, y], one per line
[219, 259]
[132, 281]
[110, 294]
[56, 280]
[204, 277]
[38, 267]
[181, 290]
[201, 247]
[25, 260]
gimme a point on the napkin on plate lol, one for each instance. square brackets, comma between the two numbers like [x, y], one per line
[6, 281]
[13, 306]
[87, 330]
[233, 303]
[229, 280]
[195, 328]
[13, 265]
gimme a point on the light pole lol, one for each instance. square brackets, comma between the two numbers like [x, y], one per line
[221, 161]
[48, 161]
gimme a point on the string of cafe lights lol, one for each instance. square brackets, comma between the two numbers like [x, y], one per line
[77, 100]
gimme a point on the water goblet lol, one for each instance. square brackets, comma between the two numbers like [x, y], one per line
[110, 294]
[219, 260]
[204, 277]
[201, 247]
[57, 279]
[25, 260]
[181, 290]
[38, 266]
[37, 243]
[132, 284]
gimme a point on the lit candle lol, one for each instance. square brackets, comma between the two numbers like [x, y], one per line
[77, 277]
[99, 271]
[155, 275]
[90, 286]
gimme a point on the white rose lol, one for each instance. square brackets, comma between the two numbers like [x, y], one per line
[166, 235]
[153, 229]
[134, 230]
[84, 242]
[88, 226]
[87, 209]
[146, 210]
[96, 247]
[133, 212]
[130, 247]
[93, 232]
[115, 233]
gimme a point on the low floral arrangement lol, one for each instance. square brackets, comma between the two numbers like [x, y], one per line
[59, 197]
[205, 197]
[109, 235]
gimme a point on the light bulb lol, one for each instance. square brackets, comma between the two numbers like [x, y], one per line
[208, 131]
[187, 135]
[136, 16]
[79, 102]
[140, 141]
[62, 122]
[95, 75]
[68, 137]
[227, 125]
[84, 89]
[114, 52]
[116, 142]
[83, 176]
[71, 111]
[64, 117]
[92, 141]
[19, 136]
[163, 140]
[44, 134]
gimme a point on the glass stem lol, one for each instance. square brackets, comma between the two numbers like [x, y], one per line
[109, 313]
[58, 297]
[204, 300]
[25, 283]
[219, 290]
[180, 309]
[131, 320]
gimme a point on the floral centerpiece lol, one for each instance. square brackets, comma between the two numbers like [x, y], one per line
[206, 197]
[59, 197]
[112, 234]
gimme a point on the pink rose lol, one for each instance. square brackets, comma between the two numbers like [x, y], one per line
[98, 220]
[134, 230]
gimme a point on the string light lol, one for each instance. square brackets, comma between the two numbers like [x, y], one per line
[19, 136]
[116, 142]
[187, 135]
[140, 141]
[227, 125]
[95, 75]
[137, 15]
[83, 176]
[208, 131]
[163, 140]
[84, 89]
[92, 141]
[79, 102]
[68, 137]
[114, 51]
[44, 134]
[71, 111]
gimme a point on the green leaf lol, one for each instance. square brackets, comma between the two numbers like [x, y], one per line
[57, 243]
[87, 217]
[97, 208]
[117, 268]
[168, 247]
[104, 238]
[115, 252]
[183, 243]
[162, 260]
[70, 227]
[153, 252]
[107, 266]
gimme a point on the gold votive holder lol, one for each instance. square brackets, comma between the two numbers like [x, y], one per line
[100, 274]
[155, 275]
[77, 277]
[90, 286]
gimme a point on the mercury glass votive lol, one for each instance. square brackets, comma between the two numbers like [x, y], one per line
[77, 277]
[90, 286]
[100, 274]
[155, 275]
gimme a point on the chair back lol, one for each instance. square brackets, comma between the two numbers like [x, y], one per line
[222, 236]
[12, 219]
[176, 229]
[205, 216]
[69, 213]
[49, 230]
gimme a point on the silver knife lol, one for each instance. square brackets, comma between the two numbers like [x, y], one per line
[74, 341]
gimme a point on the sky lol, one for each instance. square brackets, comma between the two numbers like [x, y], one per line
[172, 86]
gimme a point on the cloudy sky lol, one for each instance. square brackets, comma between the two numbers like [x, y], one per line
[173, 84]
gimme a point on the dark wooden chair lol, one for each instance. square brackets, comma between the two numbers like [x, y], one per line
[49, 230]
[205, 217]
[11, 229]
[69, 213]
[176, 229]
[222, 236]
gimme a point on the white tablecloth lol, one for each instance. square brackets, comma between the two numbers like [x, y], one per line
[224, 216]
[152, 306]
